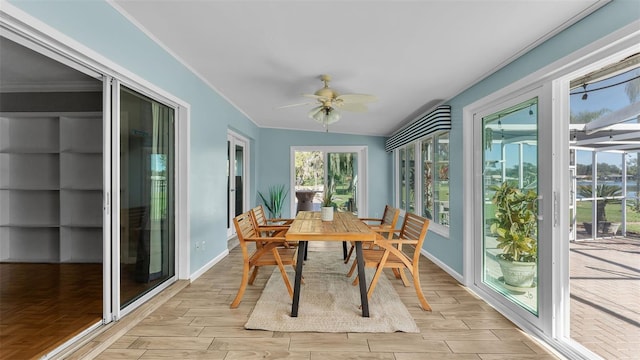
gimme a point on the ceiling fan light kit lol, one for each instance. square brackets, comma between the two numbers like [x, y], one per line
[330, 101]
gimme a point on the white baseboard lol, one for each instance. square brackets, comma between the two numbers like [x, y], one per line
[196, 274]
[443, 266]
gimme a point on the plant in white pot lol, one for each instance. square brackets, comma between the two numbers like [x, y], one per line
[327, 204]
[516, 227]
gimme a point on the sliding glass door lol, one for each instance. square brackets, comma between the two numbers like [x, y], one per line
[510, 198]
[146, 198]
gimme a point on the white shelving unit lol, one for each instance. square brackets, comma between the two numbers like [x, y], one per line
[51, 188]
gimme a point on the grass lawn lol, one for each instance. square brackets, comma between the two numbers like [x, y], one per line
[614, 214]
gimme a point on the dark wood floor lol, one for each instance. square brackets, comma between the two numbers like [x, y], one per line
[44, 305]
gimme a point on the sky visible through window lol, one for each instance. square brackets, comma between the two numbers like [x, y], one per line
[606, 95]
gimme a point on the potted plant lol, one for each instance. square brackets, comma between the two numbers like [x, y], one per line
[327, 204]
[516, 226]
[277, 194]
[605, 194]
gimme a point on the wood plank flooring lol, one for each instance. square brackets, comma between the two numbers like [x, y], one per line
[44, 305]
[197, 323]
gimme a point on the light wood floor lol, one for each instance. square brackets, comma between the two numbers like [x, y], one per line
[197, 323]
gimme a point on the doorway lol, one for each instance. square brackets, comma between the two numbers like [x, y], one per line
[237, 179]
[604, 210]
[51, 209]
[341, 168]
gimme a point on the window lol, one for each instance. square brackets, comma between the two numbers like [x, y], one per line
[428, 176]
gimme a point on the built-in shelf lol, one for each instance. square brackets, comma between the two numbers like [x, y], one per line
[51, 178]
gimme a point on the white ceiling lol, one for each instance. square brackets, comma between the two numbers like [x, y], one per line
[412, 55]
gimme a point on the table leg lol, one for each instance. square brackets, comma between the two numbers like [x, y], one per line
[362, 280]
[344, 250]
[302, 248]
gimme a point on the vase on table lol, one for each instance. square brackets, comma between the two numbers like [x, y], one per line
[326, 212]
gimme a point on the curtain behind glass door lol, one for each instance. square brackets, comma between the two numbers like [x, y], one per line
[147, 239]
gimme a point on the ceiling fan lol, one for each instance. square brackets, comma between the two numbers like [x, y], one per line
[329, 102]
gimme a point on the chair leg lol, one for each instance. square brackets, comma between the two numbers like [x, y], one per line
[396, 272]
[379, 269]
[403, 277]
[253, 275]
[416, 285]
[346, 259]
[243, 287]
[283, 272]
[353, 268]
[374, 281]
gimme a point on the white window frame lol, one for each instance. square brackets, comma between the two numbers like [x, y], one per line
[436, 227]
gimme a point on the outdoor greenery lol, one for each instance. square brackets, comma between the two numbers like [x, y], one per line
[275, 200]
[515, 223]
[604, 191]
[341, 173]
[614, 214]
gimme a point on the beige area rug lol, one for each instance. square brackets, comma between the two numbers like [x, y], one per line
[328, 302]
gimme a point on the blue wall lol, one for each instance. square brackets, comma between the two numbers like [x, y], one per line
[274, 167]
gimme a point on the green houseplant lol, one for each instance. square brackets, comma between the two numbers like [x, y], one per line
[327, 204]
[515, 226]
[275, 201]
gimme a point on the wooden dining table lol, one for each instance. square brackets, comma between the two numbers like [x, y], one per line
[308, 226]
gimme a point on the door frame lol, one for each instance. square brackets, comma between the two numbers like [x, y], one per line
[234, 139]
[363, 190]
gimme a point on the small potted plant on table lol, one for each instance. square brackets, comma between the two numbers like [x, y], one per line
[327, 204]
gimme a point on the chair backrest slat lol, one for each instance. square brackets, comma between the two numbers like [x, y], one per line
[258, 212]
[415, 227]
[390, 216]
[245, 227]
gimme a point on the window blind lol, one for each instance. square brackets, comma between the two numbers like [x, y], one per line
[437, 120]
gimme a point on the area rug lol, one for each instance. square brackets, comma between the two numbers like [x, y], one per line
[329, 302]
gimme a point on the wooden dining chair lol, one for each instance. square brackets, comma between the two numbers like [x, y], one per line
[268, 251]
[389, 254]
[270, 227]
[382, 225]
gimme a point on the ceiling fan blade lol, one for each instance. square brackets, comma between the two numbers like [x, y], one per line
[357, 98]
[353, 107]
[294, 105]
[314, 96]
[314, 111]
